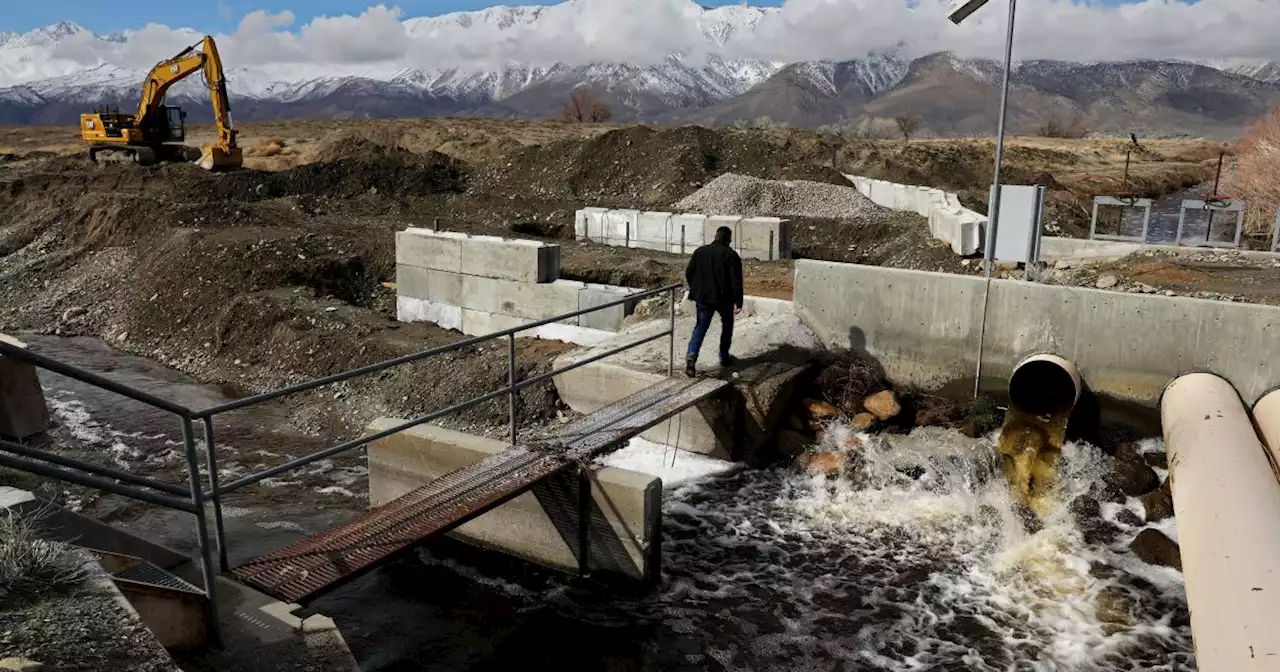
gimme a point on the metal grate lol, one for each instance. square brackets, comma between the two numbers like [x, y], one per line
[303, 570]
[145, 572]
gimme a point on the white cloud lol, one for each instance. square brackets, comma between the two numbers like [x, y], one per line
[646, 31]
[224, 11]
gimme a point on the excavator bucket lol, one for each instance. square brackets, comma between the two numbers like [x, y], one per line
[214, 157]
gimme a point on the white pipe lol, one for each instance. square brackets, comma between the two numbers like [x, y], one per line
[1266, 415]
[1045, 384]
[1227, 506]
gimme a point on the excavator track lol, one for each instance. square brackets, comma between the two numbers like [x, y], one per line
[143, 156]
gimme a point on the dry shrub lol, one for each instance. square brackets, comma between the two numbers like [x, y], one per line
[266, 147]
[31, 566]
[1256, 178]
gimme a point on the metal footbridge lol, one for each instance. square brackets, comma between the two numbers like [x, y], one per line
[307, 568]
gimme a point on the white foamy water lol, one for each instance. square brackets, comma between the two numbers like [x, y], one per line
[913, 560]
[675, 467]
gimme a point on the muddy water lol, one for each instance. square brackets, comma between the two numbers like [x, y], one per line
[915, 560]
[108, 429]
[1030, 449]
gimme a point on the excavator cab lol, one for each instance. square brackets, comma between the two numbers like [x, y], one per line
[169, 124]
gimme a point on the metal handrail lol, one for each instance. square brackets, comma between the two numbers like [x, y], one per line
[424, 354]
[194, 497]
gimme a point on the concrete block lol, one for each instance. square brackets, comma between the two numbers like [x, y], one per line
[687, 233]
[652, 229]
[447, 316]
[924, 201]
[481, 323]
[765, 238]
[716, 221]
[23, 411]
[541, 525]
[533, 301]
[607, 319]
[428, 249]
[527, 261]
[620, 226]
[432, 285]
[587, 222]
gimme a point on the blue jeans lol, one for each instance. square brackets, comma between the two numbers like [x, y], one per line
[705, 312]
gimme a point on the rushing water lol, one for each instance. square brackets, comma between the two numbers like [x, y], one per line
[912, 560]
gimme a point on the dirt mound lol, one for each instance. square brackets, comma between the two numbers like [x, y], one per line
[644, 167]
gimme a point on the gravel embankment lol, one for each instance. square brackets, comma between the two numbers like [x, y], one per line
[732, 194]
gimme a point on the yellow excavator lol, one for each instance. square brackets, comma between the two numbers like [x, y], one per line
[156, 132]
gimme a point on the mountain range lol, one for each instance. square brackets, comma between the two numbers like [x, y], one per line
[41, 83]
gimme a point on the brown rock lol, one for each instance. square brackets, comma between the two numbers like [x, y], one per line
[1133, 477]
[883, 405]
[1159, 505]
[792, 444]
[853, 443]
[1157, 460]
[1154, 548]
[821, 410]
[863, 421]
[827, 463]
[797, 423]
[1129, 518]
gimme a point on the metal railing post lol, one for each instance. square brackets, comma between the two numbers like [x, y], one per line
[584, 521]
[671, 336]
[511, 383]
[202, 532]
[219, 532]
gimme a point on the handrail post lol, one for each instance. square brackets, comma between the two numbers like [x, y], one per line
[511, 385]
[219, 532]
[671, 352]
[202, 533]
[584, 521]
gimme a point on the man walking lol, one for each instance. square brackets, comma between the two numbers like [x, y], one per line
[714, 277]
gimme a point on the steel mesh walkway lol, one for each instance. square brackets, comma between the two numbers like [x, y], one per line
[324, 561]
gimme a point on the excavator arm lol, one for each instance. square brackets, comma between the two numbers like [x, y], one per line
[224, 152]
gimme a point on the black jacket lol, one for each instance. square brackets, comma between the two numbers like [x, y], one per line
[714, 276]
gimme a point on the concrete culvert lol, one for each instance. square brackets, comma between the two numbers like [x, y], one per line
[1044, 384]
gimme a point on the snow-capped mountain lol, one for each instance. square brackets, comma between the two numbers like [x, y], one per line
[499, 62]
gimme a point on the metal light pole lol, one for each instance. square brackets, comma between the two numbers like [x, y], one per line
[960, 11]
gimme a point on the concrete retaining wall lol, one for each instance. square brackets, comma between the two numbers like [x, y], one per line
[23, 412]
[482, 284]
[923, 327]
[541, 525]
[1055, 248]
[764, 238]
[950, 222]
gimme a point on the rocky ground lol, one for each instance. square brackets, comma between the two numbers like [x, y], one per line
[1219, 275]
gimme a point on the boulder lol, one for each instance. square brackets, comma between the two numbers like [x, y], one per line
[883, 404]
[1157, 460]
[828, 463]
[792, 443]
[1108, 492]
[1099, 532]
[1107, 281]
[821, 410]
[1132, 477]
[1129, 518]
[1154, 548]
[1158, 504]
[1085, 508]
[863, 421]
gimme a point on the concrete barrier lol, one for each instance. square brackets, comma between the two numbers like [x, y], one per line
[1053, 248]
[762, 238]
[949, 222]
[502, 284]
[542, 525]
[23, 412]
[923, 327]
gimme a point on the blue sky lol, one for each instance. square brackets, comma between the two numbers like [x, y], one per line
[105, 16]
[212, 16]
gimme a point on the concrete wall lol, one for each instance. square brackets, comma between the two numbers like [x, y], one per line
[1055, 248]
[483, 284]
[541, 525]
[924, 327]
[763, 238]
[23, 412]
[949, 221]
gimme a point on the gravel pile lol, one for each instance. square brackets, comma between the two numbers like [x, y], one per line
[732, 194]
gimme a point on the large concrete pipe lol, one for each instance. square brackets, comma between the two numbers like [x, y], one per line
[1227, 504]
[1266, 415]
[1043, 385]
